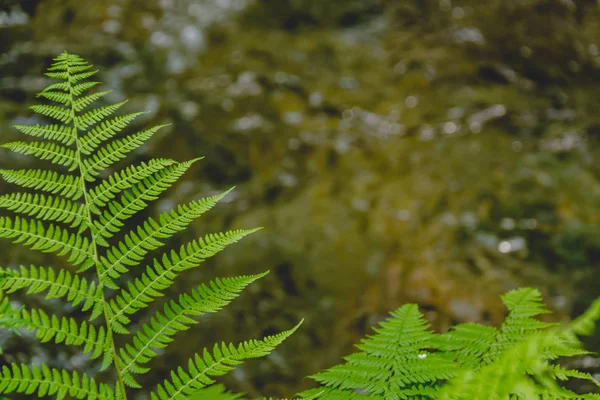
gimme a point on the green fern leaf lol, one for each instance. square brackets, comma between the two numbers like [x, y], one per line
[96, 341]
[104, 131]
[123, 180]
[62, 134]
[80, 88]
[81, 103]
[19, 378]
[57, 97]
[137, 243]
[55, 153]
[50, 239]
[46, 208]
[150, 285]
[59, 113]
[96, 115]
[115, 151]
[61, 284]
[393, 364]
[202, 368]
[148, 189]
[68, 186]
[176, 317]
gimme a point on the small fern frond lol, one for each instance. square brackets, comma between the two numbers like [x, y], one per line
[523, 304]
[394, 363]
[150, 235]
[68, 186]
[52, 152]
[60, 133]
[224, 358]
[176, 317]
[104, 131]
[147, 190]
[467, 344]
[61, 284]
[96, 115]
[123, 180]
[51, 239]
[46, 208]
[115, 151]
[57, 97]
[150, 285]
[585, 324]
[19, 378]
[66, 330]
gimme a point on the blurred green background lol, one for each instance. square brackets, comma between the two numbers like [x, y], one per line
[431, 151]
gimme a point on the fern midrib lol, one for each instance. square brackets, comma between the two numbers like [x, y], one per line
[93, 245]
[172, 321]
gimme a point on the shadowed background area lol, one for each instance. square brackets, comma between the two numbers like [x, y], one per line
[439, 152]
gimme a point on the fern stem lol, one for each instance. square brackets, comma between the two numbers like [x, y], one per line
[94, 245]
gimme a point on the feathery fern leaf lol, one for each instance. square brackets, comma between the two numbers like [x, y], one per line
[77, 221]
[60, 133]
[394, 364]
[68, 186]
[61, 284]
[97, 342]
[150, 285]
[480, 362]
[120, 181]
[51, 239]
[46, 208]
[177, 316]
[202, 368]
[110, 222]
[136, 244]
[19, 378]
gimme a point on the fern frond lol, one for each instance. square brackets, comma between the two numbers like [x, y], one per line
[80, 88]
[64, 86]
[96, 115]
[523, 304]
[214, 392]
[57, 97]
[19, 378]
[52, 152]
[115, 151]
[96, 341]
[394, 363]
[586, 322]
[104, 131]
[176, 317]
[81, 103]
[146, 237]
[46, 208]
[68, 186]
[224, 358]
[59, 113]
[61, 284]
[60, 133]
[51, 239]
[147, 190]
[150, 285]
[467, 344]
[514, 372]
[123, 180]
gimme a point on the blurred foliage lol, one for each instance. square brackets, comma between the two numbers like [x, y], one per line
[440, 152]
